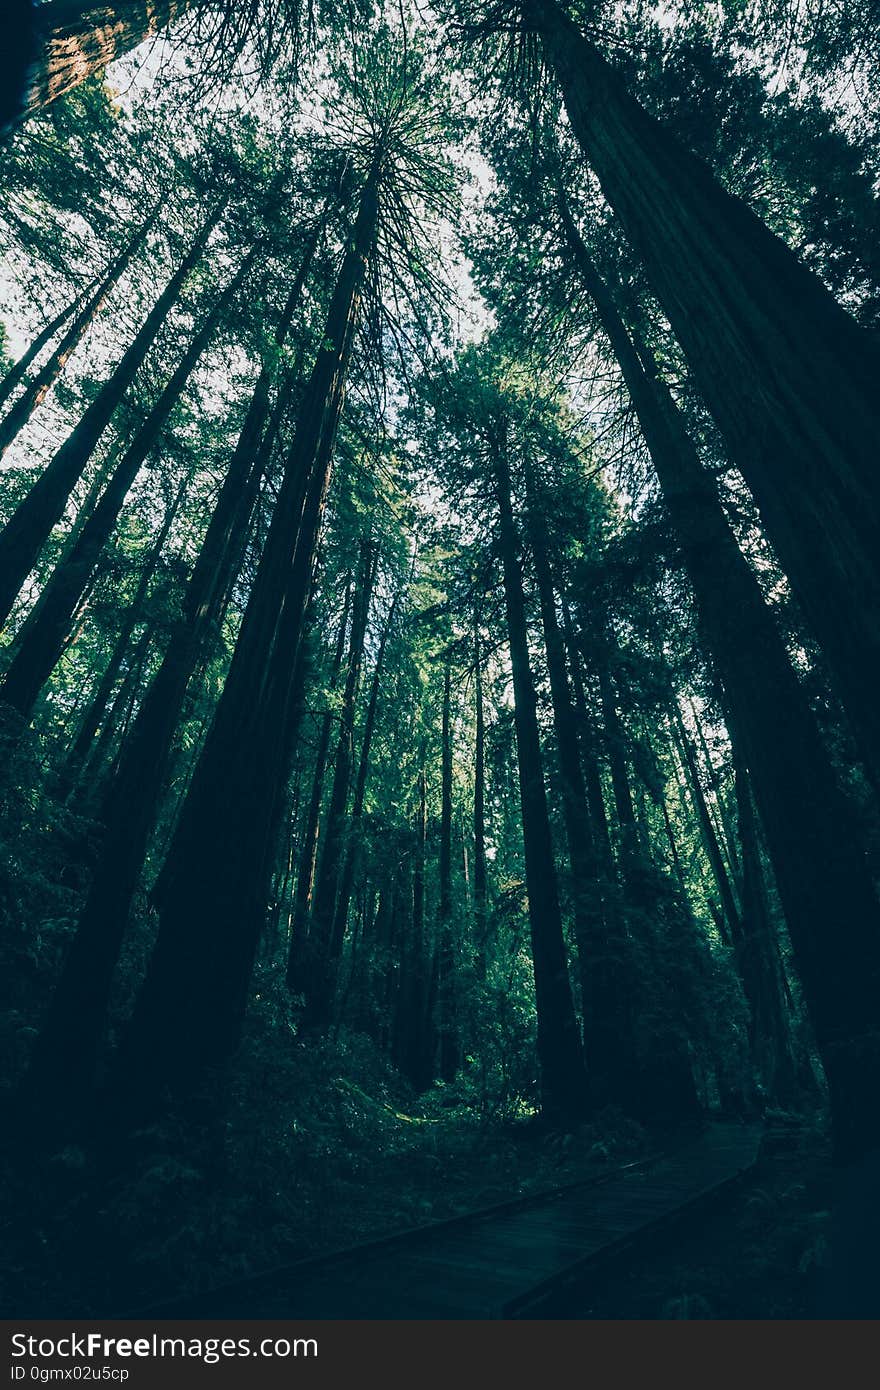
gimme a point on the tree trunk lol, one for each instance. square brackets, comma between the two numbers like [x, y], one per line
[608, 1045]
[41, 640]
[17, 57]
[91, 721]
[704, 820]
[612, 905]
[297, 958]
[447, 1030]
[789, 377]
[676, 858]
[481, 877]
[224, 545]
[631, 848]
[726, 830]
[99, 768]
[656, 921]
[30, 525]
[59, 44]
[414, 1049]
[822, 875]
[564, 1094]
[325, 949]
[589, 754]
[19, 370]
[190, 1009]
[36, 391]
[78, 1010]
[84, 511]
[757, 958]
[283, 880]
[347, 877]
[66, 1051]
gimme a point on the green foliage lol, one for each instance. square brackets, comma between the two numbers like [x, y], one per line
[475, 334]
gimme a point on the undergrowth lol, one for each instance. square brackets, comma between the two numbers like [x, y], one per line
[321, 1145]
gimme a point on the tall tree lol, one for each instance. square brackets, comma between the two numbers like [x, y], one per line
[21, 411]
[191, 1006]
[349, 867]
[20, 368]
[758, 960]
[608, 1044]
[325, 930]
[40, 642]
[822, 873]
[58, 44]
[563, 1079]
[710, 838]
[446, 952]
[30, 524]
[298, 951]
[788, 375]
[67, 1048]
[481, 874]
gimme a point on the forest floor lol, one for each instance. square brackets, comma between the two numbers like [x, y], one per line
[324, 1148]
[320, 1148]
[760, 1254]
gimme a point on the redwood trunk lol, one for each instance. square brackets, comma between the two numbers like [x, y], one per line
[821, 872]
[41, 641]
[608, 1045]
[414, 1051]
[325, 949]
[789, 376]
[447, 1032]
[564, 1097]
[189, 1012]
[64, 42]
[36, 391]
[347, 878]
[704, 819]
[66, 1051]
[19, 370]
[481, 876]
[297, 958]
[758, 963]
[83, 742]
[29, 526]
